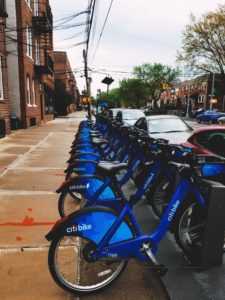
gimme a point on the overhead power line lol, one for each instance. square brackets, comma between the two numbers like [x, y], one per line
[103, 27]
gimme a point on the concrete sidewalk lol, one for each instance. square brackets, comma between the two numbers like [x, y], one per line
[32, 162]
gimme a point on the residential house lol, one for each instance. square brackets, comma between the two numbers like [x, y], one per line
[198, 91]
[65, 75]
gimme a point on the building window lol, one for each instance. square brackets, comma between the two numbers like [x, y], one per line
[28, 3]
[28, 91]
[33, 93]
[36, 10]
[29, 41]
[201, 98]
[1, 81]
[37, 52]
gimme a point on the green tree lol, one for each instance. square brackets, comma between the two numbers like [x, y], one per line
[133, 92]
[203, 43]
[154, 75]
[112, 97]
[62, 98]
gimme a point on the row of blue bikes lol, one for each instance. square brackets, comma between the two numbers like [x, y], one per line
[98, 234]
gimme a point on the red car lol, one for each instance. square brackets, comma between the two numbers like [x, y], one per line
[208, 140]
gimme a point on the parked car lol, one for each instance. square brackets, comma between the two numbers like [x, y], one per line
[169, 127]
[210, 116]
[199, 111]
[209, 140]
[129, 116]
[221, 120]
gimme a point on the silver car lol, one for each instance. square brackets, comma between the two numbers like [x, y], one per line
[168, 127]
[221, 120]
[129, 116]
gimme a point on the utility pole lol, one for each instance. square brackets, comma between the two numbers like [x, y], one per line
[87, 82]
[223, 102]
[188, 101]
[213, 83]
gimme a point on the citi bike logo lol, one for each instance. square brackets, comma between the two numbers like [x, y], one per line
[173, 210]
[79, 228]
[136, 164]
[79, 169]
[148, 181]
[79, 187]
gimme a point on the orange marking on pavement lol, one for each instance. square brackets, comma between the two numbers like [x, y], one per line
[18, 238]
[30, 209]
[27, 222]
[60, 174]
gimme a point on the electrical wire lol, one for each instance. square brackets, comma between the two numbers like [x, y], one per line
[100, 36]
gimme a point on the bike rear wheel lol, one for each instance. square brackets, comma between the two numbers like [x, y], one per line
[71, 270]
[69, 202]
[161, 197]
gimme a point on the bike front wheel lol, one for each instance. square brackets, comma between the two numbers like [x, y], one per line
[190, 225]
[74, 272]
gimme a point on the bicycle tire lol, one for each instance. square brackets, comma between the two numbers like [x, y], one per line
[161, 197]
[189, 224]
[75, 282]
[69, 202]
[197, 219]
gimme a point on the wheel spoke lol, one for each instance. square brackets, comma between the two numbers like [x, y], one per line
[72, 271]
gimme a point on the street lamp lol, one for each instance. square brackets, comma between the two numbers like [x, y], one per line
[107, 80]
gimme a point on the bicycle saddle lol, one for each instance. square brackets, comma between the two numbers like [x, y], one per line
[98, 141]
[94, 131]
[110, 169]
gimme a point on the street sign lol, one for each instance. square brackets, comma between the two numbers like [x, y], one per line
[86, 100]
[165, 86]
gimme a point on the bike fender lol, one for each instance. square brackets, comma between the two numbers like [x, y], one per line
[91, 223]
[87, 185]
[82, 167]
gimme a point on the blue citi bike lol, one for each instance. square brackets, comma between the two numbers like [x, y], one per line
[91, 247]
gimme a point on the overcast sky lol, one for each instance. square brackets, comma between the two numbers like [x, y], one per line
[136, 32]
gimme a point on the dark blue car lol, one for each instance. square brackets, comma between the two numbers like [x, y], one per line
[210, 116]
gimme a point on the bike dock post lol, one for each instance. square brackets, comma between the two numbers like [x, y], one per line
[211, 253]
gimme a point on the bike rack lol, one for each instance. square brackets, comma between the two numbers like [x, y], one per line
[211, 253]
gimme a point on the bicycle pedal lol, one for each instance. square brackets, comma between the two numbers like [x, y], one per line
[161, 270]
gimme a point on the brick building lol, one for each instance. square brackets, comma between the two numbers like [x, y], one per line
[4, 89]
[30, 60]
[198, 90]
[63, 72]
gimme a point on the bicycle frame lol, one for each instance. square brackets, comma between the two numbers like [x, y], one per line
[131, 248]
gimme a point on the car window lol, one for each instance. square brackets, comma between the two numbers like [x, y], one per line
[212, 140]
[167, 125]
[138, 123]
[114, 112]
[144, 125]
